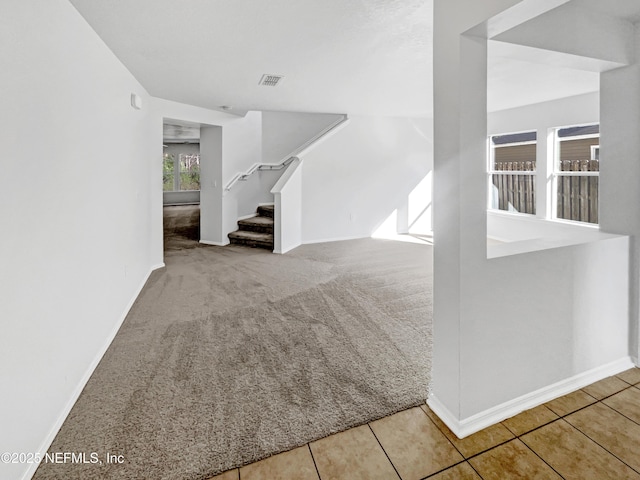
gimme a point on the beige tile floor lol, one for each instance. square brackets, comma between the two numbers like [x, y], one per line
[593, 433]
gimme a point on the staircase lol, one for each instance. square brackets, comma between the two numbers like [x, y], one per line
[255, 231]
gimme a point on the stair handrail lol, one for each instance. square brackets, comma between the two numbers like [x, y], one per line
[240, 176]
[254, 168]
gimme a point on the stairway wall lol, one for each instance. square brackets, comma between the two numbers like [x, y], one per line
[367, 172]
[284, 132]
[261, 137]
[241, 148]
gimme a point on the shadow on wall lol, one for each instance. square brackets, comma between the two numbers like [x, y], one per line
[413, 214]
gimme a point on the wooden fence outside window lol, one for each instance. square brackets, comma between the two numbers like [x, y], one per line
[577, 197]
[515, 190]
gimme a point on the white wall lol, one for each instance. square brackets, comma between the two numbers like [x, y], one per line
[241, 148]
[287, 192]
[211, 185]
[285, 132]
[619, 186]
[73, 255]
[574, 110]
[498, 350]
[450, 19]
[354, 179]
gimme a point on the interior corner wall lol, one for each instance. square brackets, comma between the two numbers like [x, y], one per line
[356, 178]
[73, 254]
[241, 149]
[285, 132]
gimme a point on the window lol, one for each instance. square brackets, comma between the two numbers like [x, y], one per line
[512, 172]
[576, 173]
[189, 171]
[180, 171]
[168, 169]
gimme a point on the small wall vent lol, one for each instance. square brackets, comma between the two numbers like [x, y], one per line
[270, 80]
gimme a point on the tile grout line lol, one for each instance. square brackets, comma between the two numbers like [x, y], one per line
[632, 384]
[445, 436]
[516, 436]
[560, 417]
[384, 451]
[464, 458]
[431, 475]
[620, 413]
[477, 472]
[601, 446]
[539, 456]
[314, 461]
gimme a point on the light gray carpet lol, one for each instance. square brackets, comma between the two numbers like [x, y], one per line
[231, 354]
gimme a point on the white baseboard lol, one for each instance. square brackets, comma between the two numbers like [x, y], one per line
[475, 423]
[288, 249]
[267, 204]
[334, 239]
[217, 244]
[85, 378]
[244, 217]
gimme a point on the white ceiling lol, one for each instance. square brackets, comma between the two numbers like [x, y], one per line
[518, 76]
[342, 56]
[337, 56]
[625, 9]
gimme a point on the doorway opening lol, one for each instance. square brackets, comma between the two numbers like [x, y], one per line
[181, 184]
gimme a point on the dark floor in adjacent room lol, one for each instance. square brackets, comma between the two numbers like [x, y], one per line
[181, 226]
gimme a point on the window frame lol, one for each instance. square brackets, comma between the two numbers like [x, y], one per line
[177, 170]
[491, 171]
[555, 174]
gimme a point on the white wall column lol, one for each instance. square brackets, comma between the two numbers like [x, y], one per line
[211, 185]
[451, 18]
[620, 171]
[511, 332]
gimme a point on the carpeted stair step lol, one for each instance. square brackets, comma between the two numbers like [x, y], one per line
[258, 224]
[266, 210]
[252, 239]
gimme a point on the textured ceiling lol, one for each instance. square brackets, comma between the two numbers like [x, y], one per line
[516, 78]
[625, 9]
[351, 56]
[337, 56]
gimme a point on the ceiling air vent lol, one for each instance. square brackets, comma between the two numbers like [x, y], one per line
[270, 80]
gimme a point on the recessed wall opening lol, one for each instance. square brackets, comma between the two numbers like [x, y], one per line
[181, 184]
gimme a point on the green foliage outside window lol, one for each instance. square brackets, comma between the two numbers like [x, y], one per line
[168, 166]
[188, 174]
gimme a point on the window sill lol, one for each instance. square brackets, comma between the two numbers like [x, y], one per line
[511, 234]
